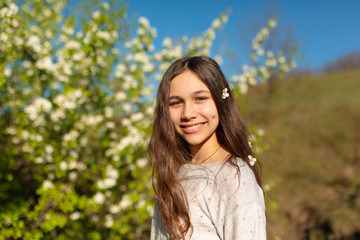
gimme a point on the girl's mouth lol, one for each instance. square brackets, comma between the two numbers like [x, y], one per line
[192, 128]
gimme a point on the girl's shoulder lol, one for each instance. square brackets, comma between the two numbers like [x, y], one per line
[234, 169]
[224, 165]
[223, 186]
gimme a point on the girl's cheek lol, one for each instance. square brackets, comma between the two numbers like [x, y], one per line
[174, 115]
[210, 109]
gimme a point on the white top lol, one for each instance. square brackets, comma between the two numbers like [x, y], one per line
[223, 204]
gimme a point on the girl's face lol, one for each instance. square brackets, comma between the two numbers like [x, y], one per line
[192, 110]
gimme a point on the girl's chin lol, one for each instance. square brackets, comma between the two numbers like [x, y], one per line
[195, 142]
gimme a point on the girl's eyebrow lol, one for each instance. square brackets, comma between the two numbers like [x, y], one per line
[199, 92]
[193, 94]
[174, 97]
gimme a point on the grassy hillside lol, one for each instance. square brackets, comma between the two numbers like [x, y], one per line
[313, 128]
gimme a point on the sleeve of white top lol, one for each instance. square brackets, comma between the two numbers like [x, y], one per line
[158, 230]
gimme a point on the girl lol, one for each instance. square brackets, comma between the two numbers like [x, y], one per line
[204, 177]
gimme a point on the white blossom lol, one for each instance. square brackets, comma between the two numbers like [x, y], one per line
[141, 31]
[7, 72]
[39, 160]
[4, 37]
[11, 130]
[39, 105]
[126, 107]
[252, 160]
[15, 140]
[219, 59]
[260, 51]
[153, 32]
[167, 42]
[271, 62]
[144, 22]
[264, 32]
[96, 14]
[69, 30]
[71, 136]
[49, 149]
[47, 184]
[74, 154]
[151, 47]
[216, 23]
[256, 45]
[114, 209]
[73, 45]
[72, 164]
[243, 88]
[109, 220]
[110, 125]
[47, 12]
[112, 172]
[9, 11]
[106, 5]
[272, 23]
[34, 42]
[104, 35]
[92, 120]
[260, 132]
[43, 104]
[25, 134]
[106, 183]
[141, 203]
[126, 122]
[137, 116]
[18, 40]
[150, 210]
[148, 67]
[284, 68]
[267, 187]
[81, 166]
[211, 35]
[269, 54]
[282, 60]
[73, 176]
[141, 162]
[46, 64]
[63, 165]
[75, 216]
[125, 202]
[224, 18]
[99, 198]
[128, 44]
[57, 115]
[120, 96]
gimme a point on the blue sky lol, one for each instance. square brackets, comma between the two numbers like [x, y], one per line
[324, 30]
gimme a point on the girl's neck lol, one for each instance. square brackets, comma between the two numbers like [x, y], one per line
[210, 151]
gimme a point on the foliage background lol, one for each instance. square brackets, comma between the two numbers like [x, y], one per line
[76, 105]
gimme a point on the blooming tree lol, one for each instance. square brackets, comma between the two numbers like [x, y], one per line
[264, 63]
[76, 109]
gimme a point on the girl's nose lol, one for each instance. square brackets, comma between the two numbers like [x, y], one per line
[189, 111]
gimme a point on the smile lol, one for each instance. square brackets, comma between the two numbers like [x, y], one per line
[192, 128]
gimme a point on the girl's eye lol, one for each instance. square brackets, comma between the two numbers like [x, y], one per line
[174, 103]
[201, 98]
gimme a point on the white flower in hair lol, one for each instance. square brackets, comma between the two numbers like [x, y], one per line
[252, 160]
[225, 93]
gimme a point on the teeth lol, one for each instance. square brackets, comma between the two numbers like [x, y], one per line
[193, 126]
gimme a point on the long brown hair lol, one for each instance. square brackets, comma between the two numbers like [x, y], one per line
[168, 151]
